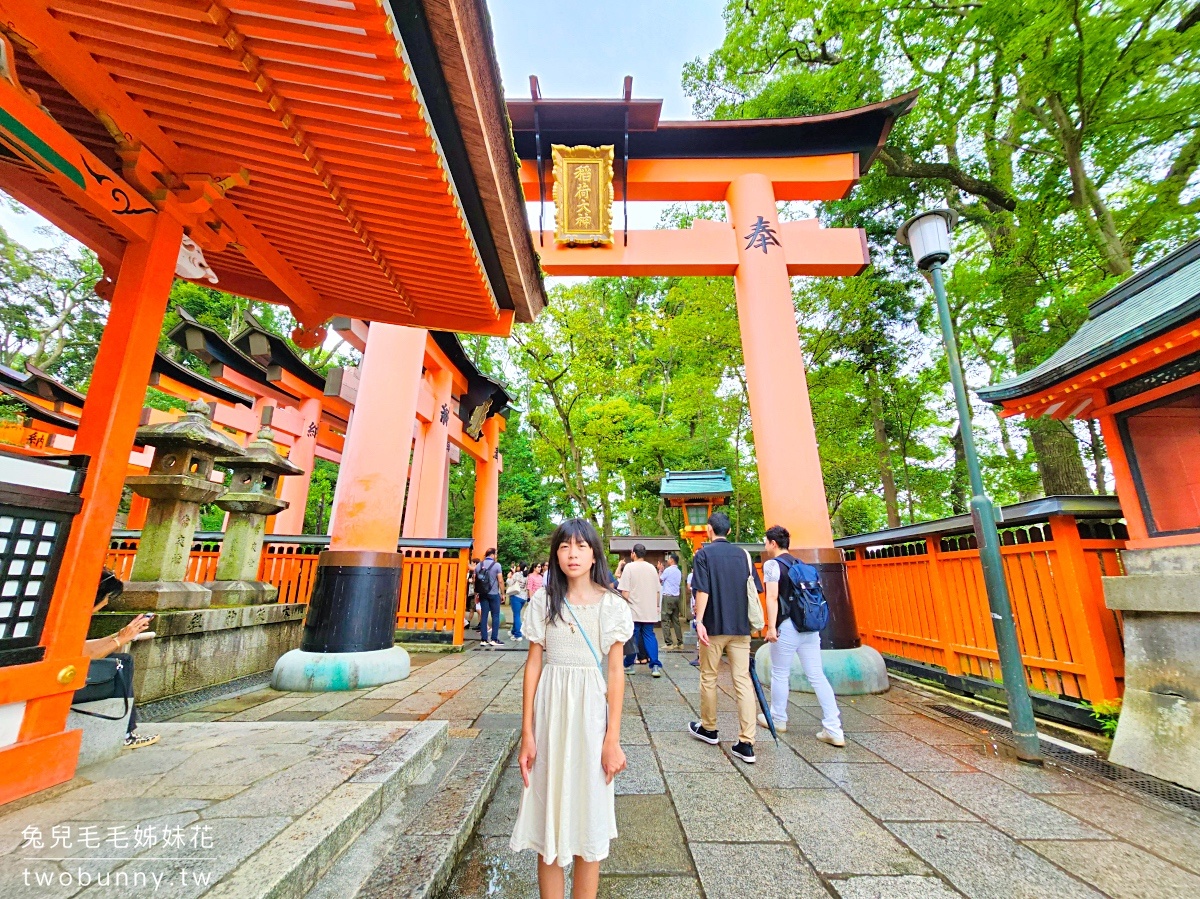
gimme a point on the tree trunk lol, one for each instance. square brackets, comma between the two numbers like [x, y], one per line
[960, 480]
[1059, 463]
[884, 452]
[1098, 456]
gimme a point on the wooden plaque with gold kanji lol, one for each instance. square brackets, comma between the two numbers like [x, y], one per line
[583, 194]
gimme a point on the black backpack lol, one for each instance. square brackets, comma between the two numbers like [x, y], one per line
[804, 602]
[483, 580]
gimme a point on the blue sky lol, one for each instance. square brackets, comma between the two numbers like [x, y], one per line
[576, 50]
[585, 50]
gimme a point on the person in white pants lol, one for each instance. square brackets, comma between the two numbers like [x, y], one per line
[787, 642]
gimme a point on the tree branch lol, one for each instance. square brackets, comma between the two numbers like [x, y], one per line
[899, 164]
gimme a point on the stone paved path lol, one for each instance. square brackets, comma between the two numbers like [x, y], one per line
[915, 806]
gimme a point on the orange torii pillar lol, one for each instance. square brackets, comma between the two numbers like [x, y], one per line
[349, 631]
[302, 454]
[785, 439]
[487, 489]
[414, 478]
[431, 476]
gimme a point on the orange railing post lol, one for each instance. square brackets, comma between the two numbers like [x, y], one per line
[460, 598]
[1082, 609]
[943, 610]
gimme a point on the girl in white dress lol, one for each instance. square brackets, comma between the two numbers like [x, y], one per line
[571, 715]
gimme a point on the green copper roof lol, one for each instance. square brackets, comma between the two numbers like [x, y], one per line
[1156, 300]
[714, 482]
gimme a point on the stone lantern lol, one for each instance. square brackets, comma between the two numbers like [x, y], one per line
[251, 498]
[178, 484]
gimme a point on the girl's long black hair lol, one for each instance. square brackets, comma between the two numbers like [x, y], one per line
[556, 582]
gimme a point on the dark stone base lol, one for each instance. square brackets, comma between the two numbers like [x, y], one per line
[354, 601]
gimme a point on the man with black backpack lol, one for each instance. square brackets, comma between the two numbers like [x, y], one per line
[488, 580]
[796, 612]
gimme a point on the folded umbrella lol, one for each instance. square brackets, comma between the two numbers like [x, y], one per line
[762, 700]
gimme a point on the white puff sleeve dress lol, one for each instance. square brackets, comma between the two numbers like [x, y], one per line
[568, 810]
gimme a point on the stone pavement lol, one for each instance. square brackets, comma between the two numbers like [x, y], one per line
[917, 804]
[234, 809]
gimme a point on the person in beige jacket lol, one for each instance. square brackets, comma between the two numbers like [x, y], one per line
[639, 584]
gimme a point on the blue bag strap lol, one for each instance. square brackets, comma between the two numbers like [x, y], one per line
[592, 647]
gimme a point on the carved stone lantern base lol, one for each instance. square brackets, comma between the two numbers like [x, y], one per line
[242, 593]
[154, 596]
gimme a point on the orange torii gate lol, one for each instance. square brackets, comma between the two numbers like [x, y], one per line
[750, 165]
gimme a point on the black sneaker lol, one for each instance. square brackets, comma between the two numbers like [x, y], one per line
[744, 751]
[703, 733]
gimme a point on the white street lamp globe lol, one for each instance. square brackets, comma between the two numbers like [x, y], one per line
[928, 233]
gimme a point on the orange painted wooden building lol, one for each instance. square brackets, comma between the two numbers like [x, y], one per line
[349, 162]
[1134, 366]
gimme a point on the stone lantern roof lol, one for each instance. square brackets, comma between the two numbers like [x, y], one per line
[261, 454]
[194, 430]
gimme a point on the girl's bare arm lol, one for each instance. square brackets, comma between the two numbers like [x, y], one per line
[533, 673]
[612, 758]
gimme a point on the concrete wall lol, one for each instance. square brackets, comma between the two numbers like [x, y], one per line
[205, 647]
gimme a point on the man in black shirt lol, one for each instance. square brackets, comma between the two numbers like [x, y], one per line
[719, 574]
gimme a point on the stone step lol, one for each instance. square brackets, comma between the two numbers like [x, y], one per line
[411, 850]
[289, 865]
[1166, 591]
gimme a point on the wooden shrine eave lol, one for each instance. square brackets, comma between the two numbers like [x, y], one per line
[166, 370]
[1085, 395]
[301, 148]
[268, 349]
[1146, 323]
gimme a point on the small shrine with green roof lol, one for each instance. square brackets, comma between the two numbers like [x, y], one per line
[698, 493]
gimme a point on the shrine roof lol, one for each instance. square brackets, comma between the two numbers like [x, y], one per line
[1159, 298]
[596, 122]
[267, 349]
[652, 544]
[35, 381]
[210, 347]
[374, 135]
[168, 367]
[480, 388]
[712, 482]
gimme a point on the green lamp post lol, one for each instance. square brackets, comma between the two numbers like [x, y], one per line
[928, 234]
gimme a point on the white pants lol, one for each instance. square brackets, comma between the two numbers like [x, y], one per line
[807, 645]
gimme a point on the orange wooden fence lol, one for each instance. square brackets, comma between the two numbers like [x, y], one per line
[433, 590]
[921, 597]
